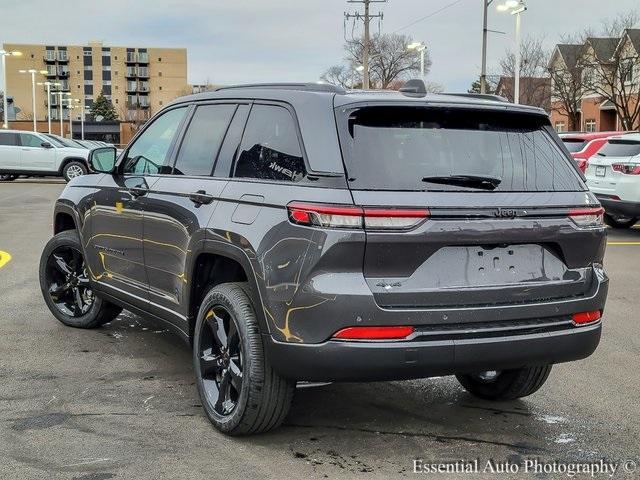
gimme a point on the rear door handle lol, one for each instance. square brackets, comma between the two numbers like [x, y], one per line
[201, 198]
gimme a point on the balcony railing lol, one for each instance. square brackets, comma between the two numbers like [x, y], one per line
[131, 57]
[50, 56]
[52, 71]
[143, 57]
[143, 102]
[131, 86]
[63, 71]
[131, 71]
[64, 85]
[143, 87]
[143, 72]
[63, 56]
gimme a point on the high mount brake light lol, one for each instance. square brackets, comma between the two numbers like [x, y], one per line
[587, 217]
[626, 168]
[374, 333]
[349, 216]
[583, 318]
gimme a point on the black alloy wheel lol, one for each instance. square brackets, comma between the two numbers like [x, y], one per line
[68, 282]
[221, 360]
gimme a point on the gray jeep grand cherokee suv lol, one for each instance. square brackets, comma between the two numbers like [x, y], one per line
[304, 232]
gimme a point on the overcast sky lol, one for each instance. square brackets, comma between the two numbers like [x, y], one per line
[231, 41]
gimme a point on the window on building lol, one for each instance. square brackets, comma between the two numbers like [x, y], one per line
[590, 125]
[203, 139]
[626, 70]
[159, 74]
[160, 87]
[270, 148]
[561, 127]
[159, 59]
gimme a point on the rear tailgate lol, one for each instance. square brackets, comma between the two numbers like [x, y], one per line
[523, 239]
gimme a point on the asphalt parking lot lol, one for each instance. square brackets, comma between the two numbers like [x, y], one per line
[120, 401]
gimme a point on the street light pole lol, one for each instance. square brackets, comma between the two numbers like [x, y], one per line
[515, 7]
[49, 85]
[33, 94]
[5, 102]
[483, 72]
[421, 48]
[516, 88]
[60, 95]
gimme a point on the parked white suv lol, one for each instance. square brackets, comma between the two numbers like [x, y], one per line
[613, 175]
[35, 154]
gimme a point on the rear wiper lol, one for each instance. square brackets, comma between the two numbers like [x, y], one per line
[472, 181]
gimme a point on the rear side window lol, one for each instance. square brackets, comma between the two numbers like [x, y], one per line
[203, 138]
[574, 144]
[270, 149]
[400, 148]
[620, 148]
[8, 139]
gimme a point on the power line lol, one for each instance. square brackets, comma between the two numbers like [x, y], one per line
[428, 15]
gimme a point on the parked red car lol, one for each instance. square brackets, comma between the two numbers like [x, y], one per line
[583, 146]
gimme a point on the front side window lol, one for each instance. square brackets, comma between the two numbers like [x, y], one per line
[270, 148]
[149, 151]
[203, 139]
[28, 140]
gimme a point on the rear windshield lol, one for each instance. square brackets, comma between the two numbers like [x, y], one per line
[574, 144]
[620, 148]
[399, 148]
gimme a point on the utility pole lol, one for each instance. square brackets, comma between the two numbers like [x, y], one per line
[483, 73]
[366, 18]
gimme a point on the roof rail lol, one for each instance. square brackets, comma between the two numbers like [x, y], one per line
[483, 96]
[311, 87]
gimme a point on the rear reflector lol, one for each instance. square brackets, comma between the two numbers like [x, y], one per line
[349, 216]
[587, 217]
[582, 164]
[374, 333]
[586, 317]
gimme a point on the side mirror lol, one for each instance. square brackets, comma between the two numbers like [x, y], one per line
[46, 145]
[103, 159]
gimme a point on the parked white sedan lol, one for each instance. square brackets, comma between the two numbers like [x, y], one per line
[613, 175]
[35, 154]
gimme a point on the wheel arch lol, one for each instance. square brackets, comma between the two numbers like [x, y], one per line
[67, 160]
[213, 263]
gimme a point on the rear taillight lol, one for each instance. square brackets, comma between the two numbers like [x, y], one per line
[587, 217]
[348, 216]
[583, 318]
[626, 168]
[374, 333]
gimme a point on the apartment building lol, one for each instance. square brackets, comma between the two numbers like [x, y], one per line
[139, 81]
[573, 68]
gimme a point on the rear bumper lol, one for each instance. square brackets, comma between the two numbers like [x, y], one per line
[619, 207]
[371, 361]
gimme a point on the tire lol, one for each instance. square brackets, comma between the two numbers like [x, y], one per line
[73, 169]
[620, 222]
[256, 398]
[7, 177]
[62, 290]
[506, 385]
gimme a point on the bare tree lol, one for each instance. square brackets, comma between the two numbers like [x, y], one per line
[342, 75]
[566, 88]
[389, 60]
[608, 68]
[534, 86]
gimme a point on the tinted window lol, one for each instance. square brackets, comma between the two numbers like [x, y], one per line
[28, 140]
[397, 148]
[8, 139]
[149, 151]
[270, 148]
[620, 148]
[202, 140]
[573, 144]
